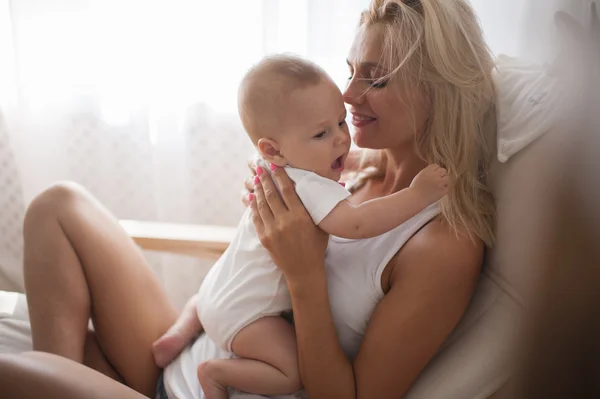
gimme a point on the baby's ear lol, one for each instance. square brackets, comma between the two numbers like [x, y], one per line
[269, 150]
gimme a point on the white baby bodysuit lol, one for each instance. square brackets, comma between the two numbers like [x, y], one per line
[244, 284]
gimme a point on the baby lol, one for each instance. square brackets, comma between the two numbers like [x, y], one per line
[295, 115]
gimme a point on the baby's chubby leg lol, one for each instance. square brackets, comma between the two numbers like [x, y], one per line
[268, 364]
[171, 343]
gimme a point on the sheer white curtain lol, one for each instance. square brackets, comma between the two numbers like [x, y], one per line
[135, 99]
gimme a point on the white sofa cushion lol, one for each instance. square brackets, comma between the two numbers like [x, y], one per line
[15, 331]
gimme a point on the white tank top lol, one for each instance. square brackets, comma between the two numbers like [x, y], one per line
[354, 269]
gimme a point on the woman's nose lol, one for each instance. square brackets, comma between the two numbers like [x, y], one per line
[352, 94]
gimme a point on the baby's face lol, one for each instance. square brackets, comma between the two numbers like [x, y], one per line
[315, 135]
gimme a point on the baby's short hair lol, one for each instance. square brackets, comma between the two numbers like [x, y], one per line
[266, 85]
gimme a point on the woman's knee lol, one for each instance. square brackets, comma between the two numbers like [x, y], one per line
[58, 197]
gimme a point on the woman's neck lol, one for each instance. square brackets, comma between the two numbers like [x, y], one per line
[401, 168]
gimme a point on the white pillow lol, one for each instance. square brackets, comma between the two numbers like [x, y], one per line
[527, 104]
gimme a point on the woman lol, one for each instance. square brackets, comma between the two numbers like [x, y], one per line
[420, 91]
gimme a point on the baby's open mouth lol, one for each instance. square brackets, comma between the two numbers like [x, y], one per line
[338, 163]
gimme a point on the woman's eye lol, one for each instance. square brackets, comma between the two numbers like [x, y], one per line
[320, 135]
[378, 83]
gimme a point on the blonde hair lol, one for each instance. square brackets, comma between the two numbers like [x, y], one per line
[266, 85]
[438, 45]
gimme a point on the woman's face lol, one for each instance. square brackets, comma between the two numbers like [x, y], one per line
[386, 114]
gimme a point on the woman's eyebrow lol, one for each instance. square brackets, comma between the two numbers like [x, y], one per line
[368, 64]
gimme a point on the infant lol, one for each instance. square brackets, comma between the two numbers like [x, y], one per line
[295, 116]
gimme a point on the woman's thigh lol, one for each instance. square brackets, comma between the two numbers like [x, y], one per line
[37, 375]
[79, 262]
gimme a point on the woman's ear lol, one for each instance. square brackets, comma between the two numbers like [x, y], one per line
[269, 150]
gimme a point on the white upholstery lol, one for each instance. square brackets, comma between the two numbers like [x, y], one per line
[15, 332]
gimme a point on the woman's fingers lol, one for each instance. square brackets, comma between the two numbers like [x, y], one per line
[249, 184]
[245, 197]
[261, 204]
[256, 218]
[248, 189]
[252, 166]
[272, 197]
[288, 191]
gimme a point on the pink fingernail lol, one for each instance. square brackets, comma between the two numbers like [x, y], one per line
[256, 180]
[250, 197]
[259, 171]
[342, 184]
[273, 166]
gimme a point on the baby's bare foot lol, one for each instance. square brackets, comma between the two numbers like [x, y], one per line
[167, 347]
[211, 388]
[186, 327]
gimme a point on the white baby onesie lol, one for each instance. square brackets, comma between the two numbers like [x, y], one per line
[244, 284]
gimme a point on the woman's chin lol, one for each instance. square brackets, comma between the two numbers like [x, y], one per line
[357, 139]
[364, 140]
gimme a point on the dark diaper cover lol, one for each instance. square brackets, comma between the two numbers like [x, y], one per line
[161, 393]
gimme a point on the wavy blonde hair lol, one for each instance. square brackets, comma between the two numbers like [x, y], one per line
[438, 46]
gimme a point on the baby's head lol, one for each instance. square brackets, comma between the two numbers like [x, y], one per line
[295, 115]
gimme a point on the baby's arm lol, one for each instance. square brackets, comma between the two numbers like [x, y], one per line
[381, 215]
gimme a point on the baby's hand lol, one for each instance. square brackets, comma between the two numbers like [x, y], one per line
[432, 183]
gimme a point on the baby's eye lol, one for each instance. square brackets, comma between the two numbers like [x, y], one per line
[342, 123]
[320, 135]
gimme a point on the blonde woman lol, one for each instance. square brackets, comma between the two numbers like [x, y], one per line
[368, 322]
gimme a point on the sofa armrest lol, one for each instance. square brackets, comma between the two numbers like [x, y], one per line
[201, 241]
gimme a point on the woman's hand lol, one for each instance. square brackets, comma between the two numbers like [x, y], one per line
[249, 184]
[296, 244]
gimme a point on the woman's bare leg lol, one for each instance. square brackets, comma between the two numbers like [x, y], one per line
[94, 358]
[80, 264]
[42, 375]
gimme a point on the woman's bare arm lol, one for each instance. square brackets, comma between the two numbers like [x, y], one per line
[430, 285]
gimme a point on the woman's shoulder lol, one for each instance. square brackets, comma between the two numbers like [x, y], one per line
[438, 248]
[439, 237]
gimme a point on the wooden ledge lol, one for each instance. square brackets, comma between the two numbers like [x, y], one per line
[201, 241]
